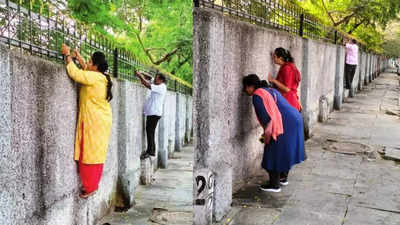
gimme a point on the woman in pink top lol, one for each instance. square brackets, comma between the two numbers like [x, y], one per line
[351, 64]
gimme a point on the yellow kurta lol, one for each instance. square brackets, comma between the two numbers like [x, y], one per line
[94, 113]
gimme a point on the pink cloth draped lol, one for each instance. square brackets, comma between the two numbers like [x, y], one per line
[275, 126]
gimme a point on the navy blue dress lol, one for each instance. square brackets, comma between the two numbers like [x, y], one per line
[288, 149]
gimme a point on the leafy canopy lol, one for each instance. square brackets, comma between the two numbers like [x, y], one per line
[158, 32]
[363, 18]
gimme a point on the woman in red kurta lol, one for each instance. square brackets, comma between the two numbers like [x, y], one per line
[288, 78]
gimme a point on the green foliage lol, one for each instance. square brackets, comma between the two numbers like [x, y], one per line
[362, 18]
[157, 32]
[392, 48]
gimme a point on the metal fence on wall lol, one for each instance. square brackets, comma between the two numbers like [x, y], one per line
[41, 33]
[278, 15]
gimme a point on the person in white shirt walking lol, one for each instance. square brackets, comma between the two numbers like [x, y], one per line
[351, 64]
[153, 109]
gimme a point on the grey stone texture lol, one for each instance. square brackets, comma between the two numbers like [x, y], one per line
[319, 77]
[7, 156]
[170, 118]
[339, 77]
[392, 153]
[39, 179]
[146, 174]
[361, 83]
[356, 79]
[131, 122]
[370, 68]
[180, 125]
[365, 56]
[225, 127]
[163, 142]
[203, 184]
[323, 109]
[189, 119]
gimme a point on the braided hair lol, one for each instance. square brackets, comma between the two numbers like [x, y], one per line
[99, 60]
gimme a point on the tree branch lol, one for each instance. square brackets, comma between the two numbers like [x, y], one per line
[154, 49]
[181, 64]
[144, 48]
[327, 12]
[356, 26]
[345, 19]
[166, 57]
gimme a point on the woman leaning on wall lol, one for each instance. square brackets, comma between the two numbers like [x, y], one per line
[283, 132]
[94, 119]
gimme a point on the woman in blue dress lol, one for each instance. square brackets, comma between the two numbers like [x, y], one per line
[287, 148]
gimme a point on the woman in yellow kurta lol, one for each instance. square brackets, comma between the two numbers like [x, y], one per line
[94, 120]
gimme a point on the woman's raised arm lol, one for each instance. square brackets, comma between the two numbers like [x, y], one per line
[76, 74]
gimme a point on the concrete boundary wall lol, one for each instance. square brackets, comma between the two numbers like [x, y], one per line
[362, 71]
[368, 69]
[318, 79]
[180, 124]
[225, 127]
[339, 79]
[39, 179]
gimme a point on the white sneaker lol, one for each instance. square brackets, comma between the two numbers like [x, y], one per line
[269, 188]
[284, 182]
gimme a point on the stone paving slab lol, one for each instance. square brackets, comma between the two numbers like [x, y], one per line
[168, 200]
[357, 215]
[329, 203]
[257, 216]
[304, 216]
[392, 153]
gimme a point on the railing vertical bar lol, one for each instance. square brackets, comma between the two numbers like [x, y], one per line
[48, 31]
[301, 25]
[8, 21]
[115, 63]
[40, 29]
[19, 37]
[30, 27]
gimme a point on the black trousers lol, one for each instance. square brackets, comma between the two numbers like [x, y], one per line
[151, 124]
[349, 71]
[275, 177]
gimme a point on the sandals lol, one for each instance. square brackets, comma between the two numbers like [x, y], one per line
[85, 195]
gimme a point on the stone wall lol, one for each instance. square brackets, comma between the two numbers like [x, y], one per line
[318, 80]
[39, 179]
[225, 127]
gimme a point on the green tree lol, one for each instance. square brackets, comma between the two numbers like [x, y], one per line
[363, 18]
[158, 32]
[351, 14]
[392, 48]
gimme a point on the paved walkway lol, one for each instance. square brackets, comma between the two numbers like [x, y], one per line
[344, 181]
[167, 201]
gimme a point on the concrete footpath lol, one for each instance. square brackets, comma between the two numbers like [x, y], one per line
[168, 200]
[346, 180]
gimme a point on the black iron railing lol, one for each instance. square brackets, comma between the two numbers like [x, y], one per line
[42, 31]
[276, 14]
